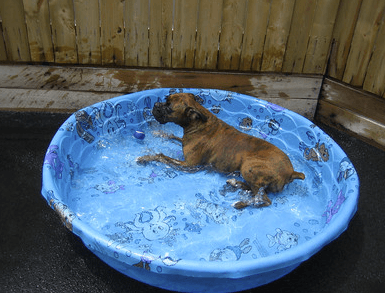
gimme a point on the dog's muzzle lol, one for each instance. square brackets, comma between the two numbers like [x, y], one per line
[160, 112]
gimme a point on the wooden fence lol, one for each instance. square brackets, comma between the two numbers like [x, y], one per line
[342, 39]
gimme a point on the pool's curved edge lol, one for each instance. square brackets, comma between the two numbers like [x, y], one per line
[228, 270]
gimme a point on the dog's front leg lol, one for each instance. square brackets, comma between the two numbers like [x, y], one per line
[162, 159]
[177, 164]
[167, 135]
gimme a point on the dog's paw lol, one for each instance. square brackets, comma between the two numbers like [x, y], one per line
[232, 182]
[239, 205]
[143, 160]
[140, 161]
[159, 133]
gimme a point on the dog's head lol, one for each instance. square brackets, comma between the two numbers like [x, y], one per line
[181, 109]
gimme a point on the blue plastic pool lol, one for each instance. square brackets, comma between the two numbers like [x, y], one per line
[178, 230]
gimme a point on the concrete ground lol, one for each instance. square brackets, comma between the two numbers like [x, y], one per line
[38, 254]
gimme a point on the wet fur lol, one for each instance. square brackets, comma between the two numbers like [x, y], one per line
[209, 141]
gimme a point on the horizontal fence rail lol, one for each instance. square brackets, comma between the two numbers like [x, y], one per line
[343, 39]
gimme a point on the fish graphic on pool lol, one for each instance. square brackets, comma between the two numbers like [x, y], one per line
[284, 239]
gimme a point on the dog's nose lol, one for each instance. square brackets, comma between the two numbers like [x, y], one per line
[157, 104]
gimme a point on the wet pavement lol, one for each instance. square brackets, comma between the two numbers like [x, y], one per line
[38, 254]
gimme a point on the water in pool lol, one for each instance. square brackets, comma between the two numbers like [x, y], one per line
[159, 212]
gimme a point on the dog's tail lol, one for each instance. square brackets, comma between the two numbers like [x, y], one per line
[297, 175]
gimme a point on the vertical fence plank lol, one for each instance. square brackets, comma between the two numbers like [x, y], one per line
[303, 16]
[375, 76]
[209, 26]
[320, 37]
[160, 35]
[184, 37]
[277, 34]
[63, 31]
[3, 52]
[342, 36]
[112, 32]
[370, 17]
[136, 20]
[254, 36]
[14, 30]
[39, 30]
[233, 23]
[87, 31]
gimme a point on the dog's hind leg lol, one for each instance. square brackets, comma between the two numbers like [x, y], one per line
[238, 184]
[259, 199]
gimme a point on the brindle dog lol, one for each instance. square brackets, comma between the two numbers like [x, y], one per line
[209, 141]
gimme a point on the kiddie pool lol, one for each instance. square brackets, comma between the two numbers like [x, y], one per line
[176, 230]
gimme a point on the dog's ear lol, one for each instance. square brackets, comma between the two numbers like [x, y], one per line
[191, 96]
[194, 114]
[196, 98]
